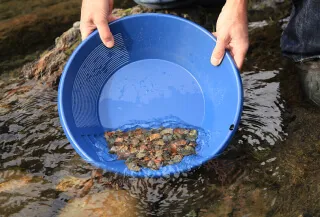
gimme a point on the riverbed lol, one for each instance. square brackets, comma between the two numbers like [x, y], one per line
[271, 168]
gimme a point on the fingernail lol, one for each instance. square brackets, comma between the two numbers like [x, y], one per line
[110, 44]
[215, 61]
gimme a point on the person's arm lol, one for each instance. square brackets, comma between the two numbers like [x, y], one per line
[96, 15]
[232, 32]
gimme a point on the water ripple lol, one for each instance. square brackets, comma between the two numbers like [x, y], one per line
[32, 142]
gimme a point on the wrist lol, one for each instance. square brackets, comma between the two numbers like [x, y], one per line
[238, 5]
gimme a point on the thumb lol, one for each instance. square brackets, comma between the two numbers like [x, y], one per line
[218, 52]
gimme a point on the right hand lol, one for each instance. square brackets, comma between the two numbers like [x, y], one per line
[96, 14]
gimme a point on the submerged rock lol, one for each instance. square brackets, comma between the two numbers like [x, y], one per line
[104, 204]
[150, 149]
[75, 186]
[15, 184]
[262, 4]
[16, 180]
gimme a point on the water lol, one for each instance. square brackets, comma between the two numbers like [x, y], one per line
[263, 108]
[205, 148]
[156, 95]
[33, 145]
[271, 168]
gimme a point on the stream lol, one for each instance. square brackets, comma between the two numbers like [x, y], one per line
[271, 167]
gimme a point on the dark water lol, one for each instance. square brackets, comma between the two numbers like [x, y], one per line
[32, 144]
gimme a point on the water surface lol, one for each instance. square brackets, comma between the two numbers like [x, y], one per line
[34, 145]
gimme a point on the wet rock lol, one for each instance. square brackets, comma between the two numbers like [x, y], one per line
[118, 140]
[19, 189]
[257, 24]
[181, 142]
[15, 128]
[75, 186]
[4, 108]
[225, 207]
[49, 66]
[193, 134]
[154, 136]
[192, 214]
[261, 4]
[166, 131]
[152, 150]
[71, 182]
[159, 142]
[76, 25]
[132, 165]
[17, 181]
[2, 84]
[271, 160]
[188, 150]
[284, 22]
[15, 184]
[104, 204]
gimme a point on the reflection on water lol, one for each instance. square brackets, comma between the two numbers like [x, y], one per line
[263, 108]
[36, 156]
[176, 195]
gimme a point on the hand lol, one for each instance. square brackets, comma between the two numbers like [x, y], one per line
[97, 14]
[232, 32]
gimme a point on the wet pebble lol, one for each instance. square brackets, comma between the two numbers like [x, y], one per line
[166, 131]
[152, 148]
[154, 136]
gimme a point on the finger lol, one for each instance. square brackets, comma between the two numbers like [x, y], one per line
[105, 34]
[110, 6]
[230, 51]
[240, 54]
[214, 34]
[85, 32]
[112, 18]
[218, 52]
[239, 59]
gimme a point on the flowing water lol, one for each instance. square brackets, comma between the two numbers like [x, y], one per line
[271, 168]
[33, 145]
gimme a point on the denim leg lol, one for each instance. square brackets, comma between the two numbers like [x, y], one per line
[161, 4]
[300, 40]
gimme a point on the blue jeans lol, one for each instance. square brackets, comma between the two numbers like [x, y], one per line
[161, 4]
[300, 40]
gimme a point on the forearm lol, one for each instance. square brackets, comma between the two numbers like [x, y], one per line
[239, 6]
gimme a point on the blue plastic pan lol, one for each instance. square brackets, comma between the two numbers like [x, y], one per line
[157, 74]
